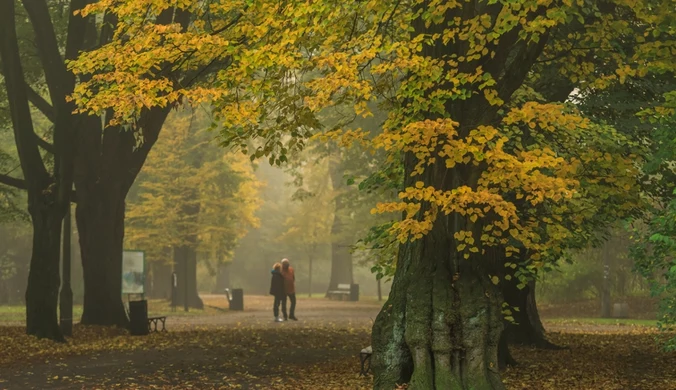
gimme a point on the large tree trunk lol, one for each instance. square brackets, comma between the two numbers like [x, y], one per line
[105, 168]
[42, 292]
[441, 325]
[100, 223]
[185, 266]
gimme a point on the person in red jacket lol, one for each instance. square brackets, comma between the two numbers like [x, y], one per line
[289, 287]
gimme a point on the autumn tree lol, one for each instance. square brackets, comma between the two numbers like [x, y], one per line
[193, 202]
[449, 71]
[310, 224]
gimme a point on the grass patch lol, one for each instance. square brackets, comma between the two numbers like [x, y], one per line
[601, 321]
[156, 307]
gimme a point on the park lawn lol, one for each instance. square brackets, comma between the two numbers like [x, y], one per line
[156, 307]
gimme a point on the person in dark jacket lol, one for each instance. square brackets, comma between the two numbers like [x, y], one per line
[277, 290]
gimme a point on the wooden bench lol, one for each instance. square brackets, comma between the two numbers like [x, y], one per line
[153, 323]
[365, 357]
[341, 294]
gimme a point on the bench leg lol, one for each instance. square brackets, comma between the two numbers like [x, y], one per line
[365, 363]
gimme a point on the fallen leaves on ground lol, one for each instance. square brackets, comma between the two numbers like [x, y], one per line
[305, 356]
[240, 356]
[595, 358]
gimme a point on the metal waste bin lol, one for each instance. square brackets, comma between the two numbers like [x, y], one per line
[237, 300]
[138, 318]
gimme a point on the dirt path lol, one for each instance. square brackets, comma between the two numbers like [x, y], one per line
[258, 313]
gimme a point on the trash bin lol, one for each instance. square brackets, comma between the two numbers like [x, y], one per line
[237, 300]
[354, 292]
[138, 318]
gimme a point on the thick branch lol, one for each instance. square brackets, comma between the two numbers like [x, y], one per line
[518, 69]
[44, 144]
[41, 104]
[13, 182]
[58, 78]
[21, 184]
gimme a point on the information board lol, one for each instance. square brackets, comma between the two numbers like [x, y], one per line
[133, 272]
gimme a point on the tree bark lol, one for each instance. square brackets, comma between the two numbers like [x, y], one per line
[441, 325]
[100, 223]
[185, 266]
[42, 293]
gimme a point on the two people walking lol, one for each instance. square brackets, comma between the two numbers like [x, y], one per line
[283, 286]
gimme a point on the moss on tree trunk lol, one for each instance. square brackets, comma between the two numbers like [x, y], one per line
[441, 325]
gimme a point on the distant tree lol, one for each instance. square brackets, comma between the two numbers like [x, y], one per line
[309, 226]
[193, 201]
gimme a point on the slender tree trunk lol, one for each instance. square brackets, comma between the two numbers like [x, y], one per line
[185, 266]
[42, 293]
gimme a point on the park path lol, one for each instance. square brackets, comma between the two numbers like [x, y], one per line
[258, 313]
